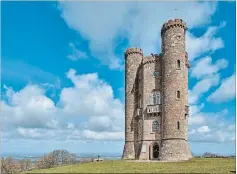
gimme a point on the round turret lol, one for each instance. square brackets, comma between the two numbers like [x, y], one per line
[175, 91]
[130, 51]
[133, 59]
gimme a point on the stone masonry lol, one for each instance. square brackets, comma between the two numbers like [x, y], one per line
[156, 99]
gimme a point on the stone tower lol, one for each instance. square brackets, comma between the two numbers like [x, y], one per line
[175, 92]
[156, 99]
[133, 58]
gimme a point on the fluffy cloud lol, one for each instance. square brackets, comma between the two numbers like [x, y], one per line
[210, 126]
[205, 67]
[138, 23]
[225, 92]
[88, 105]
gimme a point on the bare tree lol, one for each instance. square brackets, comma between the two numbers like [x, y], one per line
[55, 158]
[8, 165]
[25, 164]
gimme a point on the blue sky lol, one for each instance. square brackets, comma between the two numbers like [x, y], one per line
[63, 72]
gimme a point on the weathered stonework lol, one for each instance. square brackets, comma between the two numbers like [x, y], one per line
[156, 99]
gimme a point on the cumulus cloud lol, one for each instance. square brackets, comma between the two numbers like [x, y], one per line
[210, 126]
[87, 105]
[136, 22]
[225, 92]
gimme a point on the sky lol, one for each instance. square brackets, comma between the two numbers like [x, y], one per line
[62, 83]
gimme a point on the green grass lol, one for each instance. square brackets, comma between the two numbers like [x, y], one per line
[196, 165]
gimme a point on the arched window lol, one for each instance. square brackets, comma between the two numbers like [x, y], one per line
[178, 125]
[156, 98]
[178, 63]
[155, 126]
[178, 94]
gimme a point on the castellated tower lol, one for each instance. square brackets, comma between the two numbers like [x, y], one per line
[175, 92]
[133, 58]
[156, 99]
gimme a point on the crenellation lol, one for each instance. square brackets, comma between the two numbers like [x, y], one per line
[133, 51]
[156, 99]
[173, 23]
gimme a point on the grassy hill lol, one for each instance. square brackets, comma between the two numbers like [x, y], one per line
[196, 165]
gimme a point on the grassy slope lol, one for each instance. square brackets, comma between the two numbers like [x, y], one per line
[207, 165]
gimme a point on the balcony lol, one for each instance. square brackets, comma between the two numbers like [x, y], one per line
[153, 109]
[186, 110]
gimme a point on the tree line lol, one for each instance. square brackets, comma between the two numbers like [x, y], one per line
[53, 159]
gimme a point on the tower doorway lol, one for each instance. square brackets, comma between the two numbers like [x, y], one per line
[155, 151]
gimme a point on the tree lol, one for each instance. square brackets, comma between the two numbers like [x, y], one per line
[55, 158]
[25, 164]
[209, 155]
[8, 166]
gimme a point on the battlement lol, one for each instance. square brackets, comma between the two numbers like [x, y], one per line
[151, 59]
[133, 51]
[173, 23]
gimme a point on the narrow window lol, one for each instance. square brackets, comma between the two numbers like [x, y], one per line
[155, 126]
[178, 94]
[178, 63]
[178, 125]
[140, 101]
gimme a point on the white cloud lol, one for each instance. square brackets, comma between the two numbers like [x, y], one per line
[76, 53]
[28, 107]
[29, 133]
[103, 135]
[138, 22]
[203, 129]
[202, 87]
[196, 120]
[196, 46]
[225, 92]
[205, 67]
[88, 105]
[210, 126]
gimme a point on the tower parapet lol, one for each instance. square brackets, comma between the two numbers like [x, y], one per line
[173, 23]
[130, 51]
